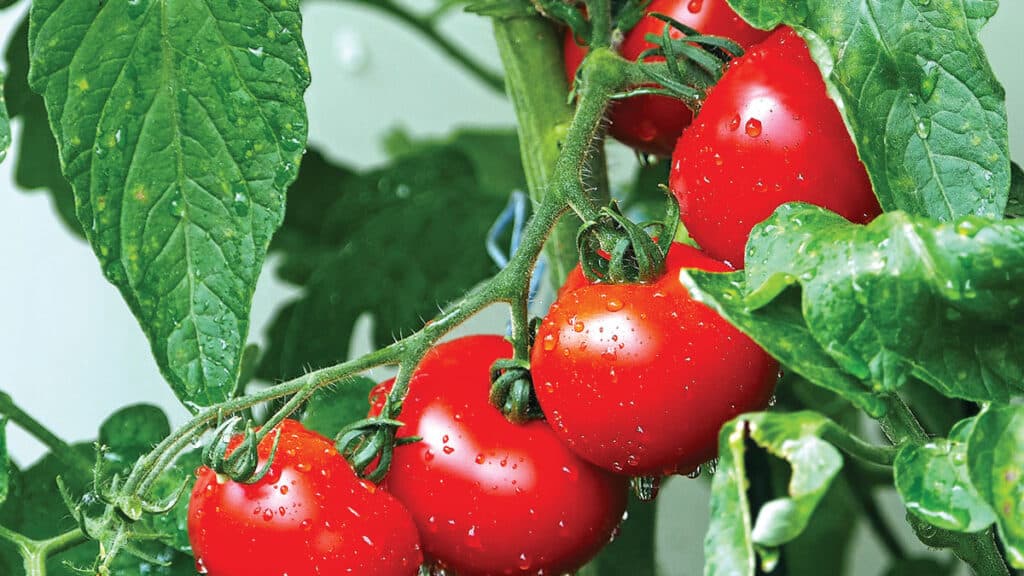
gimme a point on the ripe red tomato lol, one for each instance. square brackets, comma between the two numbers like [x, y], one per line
[768, 134]
[309, 515]
[653, 123]
[491, 497]
[638, 378]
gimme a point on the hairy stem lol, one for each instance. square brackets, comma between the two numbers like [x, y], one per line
[34, 553]
[531, 54]
[29, 424]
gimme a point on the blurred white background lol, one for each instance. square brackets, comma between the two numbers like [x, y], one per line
[71, 352]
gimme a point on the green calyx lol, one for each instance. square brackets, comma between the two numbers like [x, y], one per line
[615, 250]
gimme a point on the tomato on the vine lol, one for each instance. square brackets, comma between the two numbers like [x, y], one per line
[652, 123]
[491, 497]
[309, 515]
[638, 378]
[767, 134]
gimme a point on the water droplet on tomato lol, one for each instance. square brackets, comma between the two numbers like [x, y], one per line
[268, 515]
[480, 459]
[578, 326]
[734, 123]
[550, 342]
[613, 305]
[753, 128]
[448, 449]
[694, 6]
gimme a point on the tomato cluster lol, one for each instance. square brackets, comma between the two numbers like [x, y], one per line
[634, 379]
[652, 123]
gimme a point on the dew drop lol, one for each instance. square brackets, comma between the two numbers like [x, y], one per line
[929, 77]
[613, 305]
[924, 128]
[578, 326]
[734, 123]
[753, 128]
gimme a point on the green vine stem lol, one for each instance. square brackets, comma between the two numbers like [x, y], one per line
[34, 553]
[841, 438]
[26, 422]
[531, 53]
[978, 550]
[426, 26]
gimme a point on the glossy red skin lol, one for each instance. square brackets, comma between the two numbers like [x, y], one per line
[491, 497]
[638, 378]
[767, 134]
[653, 123]
[309, 515]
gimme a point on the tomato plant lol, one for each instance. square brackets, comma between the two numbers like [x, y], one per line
[847, 175]
[664, 371]
[652, 123]
[489, 496]
[768, 134]
[309, 514]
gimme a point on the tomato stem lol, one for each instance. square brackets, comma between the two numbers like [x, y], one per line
[854, 446]
[26, 422]
[536, 85]
[34, 553]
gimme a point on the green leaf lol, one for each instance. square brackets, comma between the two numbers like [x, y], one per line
[935, 484]
[732, 538]
[781, 330]
[827, 543]
[332, 408]
[396, 242]
[995, 457]
[38, 163]
[916, 89]
[1015, 206]
[179, 124]
[900, 298]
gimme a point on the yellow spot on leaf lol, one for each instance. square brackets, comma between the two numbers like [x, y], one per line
[139, 193]
[82, 84]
